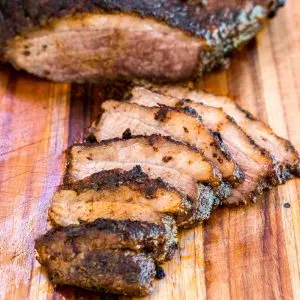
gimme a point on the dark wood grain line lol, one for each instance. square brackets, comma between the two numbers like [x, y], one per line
[256, 80]
[274, 57]
[77, 114]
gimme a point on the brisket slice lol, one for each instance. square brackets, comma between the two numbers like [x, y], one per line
[166, 40]
[159, 157]
[260, 170]
[261, 133]
[158, 238]
[83, 199]
[181, 124]
[81, 256]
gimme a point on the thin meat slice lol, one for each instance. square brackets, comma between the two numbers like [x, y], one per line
[97, 256]
[162, 40]
[159, 157]
[181, 124]
[83, 200]
[260, 170]
[281, 149]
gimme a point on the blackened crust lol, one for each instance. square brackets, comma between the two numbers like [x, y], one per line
[111, 179]
[123, 234]
[110, 271]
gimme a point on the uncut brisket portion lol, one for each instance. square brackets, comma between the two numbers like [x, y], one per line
[261, 133]
[261, 172]
[162, 40]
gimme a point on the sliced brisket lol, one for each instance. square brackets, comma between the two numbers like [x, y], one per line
[260, 170]
[181, 124]
[97, 256]
[281, 149]
[159, 157]
[83, 200]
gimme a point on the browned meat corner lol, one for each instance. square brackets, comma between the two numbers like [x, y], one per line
[162, 40]
[177, 164]
[83, 200]
[181, 124]
[259, 168]
[281, 149]
[81, 256]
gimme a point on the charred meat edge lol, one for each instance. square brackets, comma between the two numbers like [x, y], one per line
[133, 273]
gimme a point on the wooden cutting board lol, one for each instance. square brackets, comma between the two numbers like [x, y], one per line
[240, 253]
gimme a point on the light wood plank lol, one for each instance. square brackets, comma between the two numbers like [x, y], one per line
[33, 137]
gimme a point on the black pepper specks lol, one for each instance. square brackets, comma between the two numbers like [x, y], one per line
[26, 53]
[127, 134]
[160, 273]
[161, 115]
[287, 205]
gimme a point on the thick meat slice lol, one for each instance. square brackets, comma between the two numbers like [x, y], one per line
[281, 149]
[155, 236]
[166, 40]
[182, 125]
[159, 157]
[258, 166]
[80, 256]
[83, 199]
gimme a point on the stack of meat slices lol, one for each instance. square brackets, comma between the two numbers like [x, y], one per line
[163, 161]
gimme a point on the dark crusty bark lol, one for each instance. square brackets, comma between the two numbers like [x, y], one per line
[212, 32]
[152, 154]
[181, 124]
[261, 172]
[262, 134]
[84, 198]
[157, 239]
[79, 256]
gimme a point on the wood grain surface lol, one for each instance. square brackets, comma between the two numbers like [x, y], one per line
[240, 253]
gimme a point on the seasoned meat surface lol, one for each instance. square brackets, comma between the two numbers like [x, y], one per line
[80, 256]
[83, 199]
[157, 238]
[180, 124]
[281, 149]
[152, 153]
[260, 170]
[84, 40]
